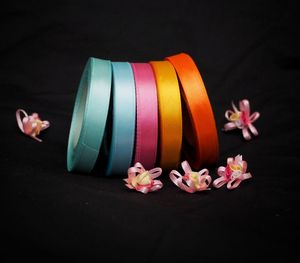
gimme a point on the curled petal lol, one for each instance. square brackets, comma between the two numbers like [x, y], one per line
[221, 171]
[155, 172]
[228, 113]
[203, 172]
[219, 182]
[230, 126]
[205, 180]
[144, 190]
[19, 121]
[156, 185]
[129, 186]
[234, 107]
[237, 159]
[244, 164]
[176, 177]
[230, 160]
[245, 176]
[246, 134]
[254, 116]
[245, 107]
[253, 129]
[232, 184]
[186, 188]
[186, 167]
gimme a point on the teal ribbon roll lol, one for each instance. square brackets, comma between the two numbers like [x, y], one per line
[89, 115]
[123, 119]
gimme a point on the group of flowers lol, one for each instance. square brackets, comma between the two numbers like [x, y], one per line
[232, 174]
[145, 181]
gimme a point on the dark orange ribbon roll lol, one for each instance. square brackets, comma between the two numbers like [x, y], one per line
[200, 136]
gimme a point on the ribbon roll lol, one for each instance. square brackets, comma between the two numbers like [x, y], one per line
[123, 119]
[170, 115]
[146, 115]
[89, 115]
[200, 134]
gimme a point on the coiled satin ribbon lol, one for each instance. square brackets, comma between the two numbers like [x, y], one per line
[89, 115]
[200, 134]
[170, 115]
[123, 119]
[146, 115]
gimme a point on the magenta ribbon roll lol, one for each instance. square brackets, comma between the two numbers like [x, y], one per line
[146, 115]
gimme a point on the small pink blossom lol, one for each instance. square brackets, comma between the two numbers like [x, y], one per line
[191, 181]
[241, 119]
[233, 174]
[31, 125]
[142, 180]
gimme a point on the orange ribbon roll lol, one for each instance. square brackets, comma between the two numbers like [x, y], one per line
[170, 114]
[200, 138]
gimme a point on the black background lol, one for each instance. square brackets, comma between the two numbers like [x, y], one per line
[244, 49]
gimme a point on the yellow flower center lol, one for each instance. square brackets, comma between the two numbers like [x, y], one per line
[194, 178]
[235, 168]
[235, 116]
[37, 128]
[141, 179]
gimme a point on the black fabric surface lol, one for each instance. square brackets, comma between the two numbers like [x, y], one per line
[244, 49]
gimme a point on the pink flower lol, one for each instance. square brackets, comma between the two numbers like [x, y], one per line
[31, 125]
[142, 180]
[233, 174]
[241, 119]
[191, 182]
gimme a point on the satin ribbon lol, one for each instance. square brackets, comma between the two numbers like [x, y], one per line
[31, 125]
[170, 114]
[143, 180]
[191, 182]
[146, 115]
[241, 119]
[233, 174]
[89, 115]
[200, 134]
[123, 119]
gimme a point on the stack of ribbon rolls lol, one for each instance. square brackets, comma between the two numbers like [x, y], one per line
[155, 113]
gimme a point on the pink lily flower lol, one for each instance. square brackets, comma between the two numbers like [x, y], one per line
[143, 180]
[233, 174]
[241, 119]
[31, 125]
[191, 181]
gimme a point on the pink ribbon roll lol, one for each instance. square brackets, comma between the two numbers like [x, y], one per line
[147, 115]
